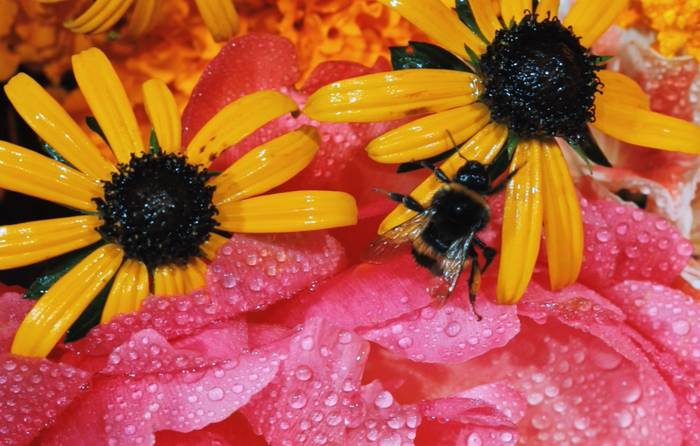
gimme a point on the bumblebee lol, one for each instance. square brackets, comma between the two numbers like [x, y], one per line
[444, 234]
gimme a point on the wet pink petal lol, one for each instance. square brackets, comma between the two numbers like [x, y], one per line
[362, 296]
[252, 272]
[33, 393]
[316, 391]
[14, 307]
[449, 332]
[245, 65]
[249, 273]
[464, 421]
[385, 422]
[642, 245]
[128, 409]
[666, 316]
[235, 430]
[197, 438]
[502, 396]
[149, 352]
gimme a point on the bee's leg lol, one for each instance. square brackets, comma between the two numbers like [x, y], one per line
[474, 282]
[406, 200]
[500, 186]
[442, 176]
[489, 253]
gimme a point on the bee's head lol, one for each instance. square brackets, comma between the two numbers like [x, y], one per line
[475, 176]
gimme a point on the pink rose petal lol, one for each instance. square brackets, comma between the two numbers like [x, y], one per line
[363, 296]
[464, 421]
[385, 422]
[33, 393]
[128, 409]
[449, 332]
[249, 273]
[316, 391]
[246, 64]
[14, 308]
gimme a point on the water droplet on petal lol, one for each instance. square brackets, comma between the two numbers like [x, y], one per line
[297, 401]
[303, 373]
[681, 327]
[216, 394]
[384, 400]
[307, 343]
[452, 329]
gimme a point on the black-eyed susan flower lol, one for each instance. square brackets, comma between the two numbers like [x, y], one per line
[506, 82]
[102, 15]
[150, 222]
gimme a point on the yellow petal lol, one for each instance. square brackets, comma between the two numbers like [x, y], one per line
[440, 23]
[646, 128]
[56, 310]
[591, 18]
[108, 101]
[51, 122]
[234, 122]
[267, 166]
[220, 17]
[483, 147]
[514, 10]
[393, 95]
[289, 212]
[28, 243]
[547, 8]
[620, 89]
[129, 289]
[168, 280]
[99, 17]
[162, 112]
[429, 136]
[142, 17]
[486, 17]
[563, 228]
[211, 247]
[522, 223]
[194, 274]
[27, 172]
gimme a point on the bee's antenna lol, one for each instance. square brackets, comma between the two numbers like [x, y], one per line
[454, 144]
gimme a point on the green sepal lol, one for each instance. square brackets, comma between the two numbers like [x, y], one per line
[50, 151]
[415, 165]
[586, 146]
[425, 55]
[90, 316]
[601, 60]
[466, 15]
[56, 269]
[153, 144]
[473, 59]
[502, 160]
[95, 127]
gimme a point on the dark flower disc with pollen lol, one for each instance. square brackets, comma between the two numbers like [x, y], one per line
[158, 208]
[539, 81]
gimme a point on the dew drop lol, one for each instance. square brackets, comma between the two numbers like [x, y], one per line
[215, 394]
[681, 327]
[384, 400]
[297, 401]
[344, 337]
[474, 439]
[452, 329]
[303, 373]
[331, 400]
[307, 343]
[534, 398]
[405, 342]
[628, 391]
[624, 419]
[603, 236]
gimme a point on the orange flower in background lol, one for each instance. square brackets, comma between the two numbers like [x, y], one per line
[676, 23]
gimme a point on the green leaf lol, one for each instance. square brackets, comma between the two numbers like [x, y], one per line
[90, 316]
[95, 127]
[500, 164]
[153, 144]
[53, 153]
[586, 146]
[425, 55]
[466, 15]
[55, 270]
[600, 60]
[473, 59]
[415, 165]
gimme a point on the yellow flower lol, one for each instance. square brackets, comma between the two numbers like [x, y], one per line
[513, 81]
[102, 15]
[152, 221]
[676, 23]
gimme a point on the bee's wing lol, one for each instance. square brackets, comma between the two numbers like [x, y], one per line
[452, 265]
[397, 236]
